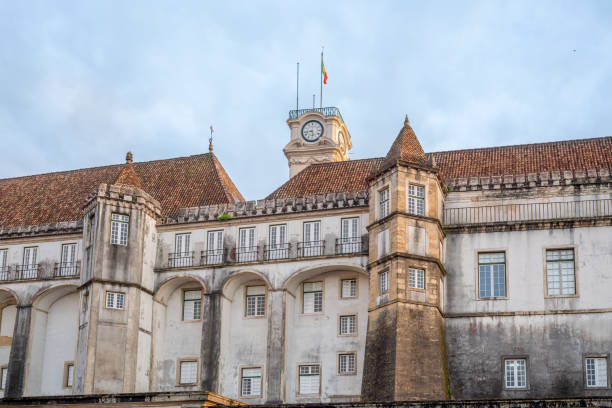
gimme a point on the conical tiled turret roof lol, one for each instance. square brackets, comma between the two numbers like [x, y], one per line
[127, 176]
[406, 147]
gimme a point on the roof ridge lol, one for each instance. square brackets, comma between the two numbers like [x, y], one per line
[220, 177]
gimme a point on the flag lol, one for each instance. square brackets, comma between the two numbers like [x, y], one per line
[324, 72]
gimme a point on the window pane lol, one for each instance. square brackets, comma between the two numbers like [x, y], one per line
[251, 381]
[492, 274]
[4, 374]
[309, 379]
[560, 274]
[597, 372]
[348, 324]
[349, 288]
[69, 375]
[188, 372]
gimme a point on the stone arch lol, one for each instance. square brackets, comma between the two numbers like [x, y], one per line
[8, 315]
[167, 287]
[293, 281]
[233, 281]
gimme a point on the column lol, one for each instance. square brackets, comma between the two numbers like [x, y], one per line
[15, 381]
[211, 342]
[275, 391]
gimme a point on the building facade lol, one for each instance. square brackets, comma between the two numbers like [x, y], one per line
[481, 273]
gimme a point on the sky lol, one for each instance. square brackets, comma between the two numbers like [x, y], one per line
[83, 82]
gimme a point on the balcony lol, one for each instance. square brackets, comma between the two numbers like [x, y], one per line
[277, 252]
[58, 270]
[67, 269]
[308, 249]
[349, 246]
[328, 111]
[180, 259]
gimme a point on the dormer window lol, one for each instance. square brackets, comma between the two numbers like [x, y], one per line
[383, 202]
[119, 229]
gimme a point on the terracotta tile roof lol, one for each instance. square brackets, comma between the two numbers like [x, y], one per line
[175, 183]
[582, 154]
[406, 147]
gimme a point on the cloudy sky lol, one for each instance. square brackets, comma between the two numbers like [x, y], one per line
[82, 82]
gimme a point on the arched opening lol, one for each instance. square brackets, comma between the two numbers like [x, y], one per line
[53, 341]
[8, 312]
[244, 331]
[177, 338]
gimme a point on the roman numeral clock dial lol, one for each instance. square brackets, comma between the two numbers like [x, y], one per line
[312, 131]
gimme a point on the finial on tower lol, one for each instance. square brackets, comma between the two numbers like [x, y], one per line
[129, 158]
[406, 121]
[210, 145]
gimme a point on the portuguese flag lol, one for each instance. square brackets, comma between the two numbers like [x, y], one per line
[324, 72]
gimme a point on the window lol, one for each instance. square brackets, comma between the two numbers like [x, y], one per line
[516, 373]
[251, 382]
[596, 372]
[214, 252]
[348, 325]
[492, 274]
[119, 229]
[560, 277]
[247, 251]
[383, 202]
[312, 245]
[383, 243]
[3, 266]
[313, 297]
[68, 374]
[310, 379]
[416, 278]
[278, 249]
[350, 241]
[115, 300]
[255, 301]
[29, 269]
[416, 199]
[383, 282]
[182, 253]
[348, 288]
[346, 364]
[4, 375]
[67, 265]
[192, 304]
[188, 372]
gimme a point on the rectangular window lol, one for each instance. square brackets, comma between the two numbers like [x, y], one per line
[383, 282]
[214, 252]
[3, 264]
[119, 229]
[516, 373]
[68, 374]
[251, 382]
[383, 202]
[416, 200]
[348, 325]
[4, 374]
[310, 379]
[346, 363]
[560, 276]
[416, 278]
[278, 247]
[349, 288]
[192, 304]
[182, 251]
[492, 274]
[67, 266]
[383, 243]
[255, 301]
[313, 297]
[596, 372]
[188, 372]
[247, 251]
[115, 300]
[29, 269]
[312, 244]
[350, 241]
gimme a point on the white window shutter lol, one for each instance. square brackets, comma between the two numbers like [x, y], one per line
[355, 227]
[282, 231]
[317, 231]
[345, 227]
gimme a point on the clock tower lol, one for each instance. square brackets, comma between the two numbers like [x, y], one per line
[317, 136]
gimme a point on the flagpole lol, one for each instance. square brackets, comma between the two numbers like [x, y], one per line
[297, 88]
[321, 94]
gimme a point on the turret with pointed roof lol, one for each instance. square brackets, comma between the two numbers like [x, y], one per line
[405, 148]
[128, 176]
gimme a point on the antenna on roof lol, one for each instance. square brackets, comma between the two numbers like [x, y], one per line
[210, 145]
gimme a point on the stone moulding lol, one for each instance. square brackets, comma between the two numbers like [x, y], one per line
[271, 207]
[541, 179]
[57, 228]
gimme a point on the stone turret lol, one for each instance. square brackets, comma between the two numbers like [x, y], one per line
[405, 356]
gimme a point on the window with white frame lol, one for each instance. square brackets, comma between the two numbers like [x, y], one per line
[67, 266]
[115, 300]
[416, 278]
[416, 199]
[346, 363]
[596, 372]
[348, 325]
[188, 372]
[182, 251]
[214, 251]
[348, 288]
[350, 241]
[309, 379]
[560, 275]
[312, 297]
[4, 375]
[251, 382]
[492, 274]
[383, 282]
[119, 229]
[29, 268]
[312, 244]
[515, 373]
[3, 264]
[255, 301]
[192, 304]
[383, 203]
[278, 248]
[247, 251]
[68, 374]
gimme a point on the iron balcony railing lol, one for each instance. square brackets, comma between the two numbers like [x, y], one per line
[180, 259]
[528, 212]
[277, 252]
[213, 256]
[30, 271]
[328, 111]
[311, 248]
[4, 273]
[67, 269]
[348, 246]
[246, 254]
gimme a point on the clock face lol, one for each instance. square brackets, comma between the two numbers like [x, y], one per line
[312, 131]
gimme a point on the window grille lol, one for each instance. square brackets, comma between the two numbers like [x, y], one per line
[119, 229]
[492, 274]
[115, 300]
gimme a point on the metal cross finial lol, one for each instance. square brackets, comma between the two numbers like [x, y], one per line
[210, 145]
[406, 121]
